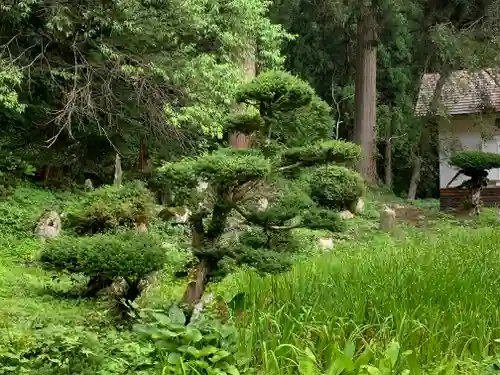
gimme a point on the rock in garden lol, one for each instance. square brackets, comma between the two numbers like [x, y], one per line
[182, 217]
[118, 288]
[358, 207]
[49, 225]
[142, 228]
[88, 184]
[387, 219]
[198, 308]
[177, 215]
[346, 215]
[262, 204]
[118, 171]
[202, 186]
[326, 243]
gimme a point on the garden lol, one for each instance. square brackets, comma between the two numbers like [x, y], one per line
[230, 275]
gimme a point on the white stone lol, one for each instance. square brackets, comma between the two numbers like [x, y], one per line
[387, 219]
[88, 184]
[359, 206]
[182, 219]
[262, 204]
[326, 243]
[142, 228]
[198, 308]
[346, 215]
[202, 186]
[49, 225]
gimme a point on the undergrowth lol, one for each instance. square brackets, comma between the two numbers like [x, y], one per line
[419, 301]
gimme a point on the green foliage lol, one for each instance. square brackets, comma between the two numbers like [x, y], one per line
[233, 167]
[247, 122]
[470, 160]
[59, 350]
[223, 168]
[201, 347]
[276, 91]
[130, 255]
[372, 360]
[10, 80]
[110, 207]
[366, 291]
[20, 210]
[326, 152]
[305, 125]
[169, 71]
[335, 187]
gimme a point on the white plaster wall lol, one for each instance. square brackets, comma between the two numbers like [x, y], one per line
[463, 133]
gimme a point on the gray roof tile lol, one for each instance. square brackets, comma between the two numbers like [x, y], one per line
[463, 93]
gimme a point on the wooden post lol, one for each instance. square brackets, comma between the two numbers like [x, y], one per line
[118, 171]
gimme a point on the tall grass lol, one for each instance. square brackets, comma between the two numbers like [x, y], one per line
[439, 296]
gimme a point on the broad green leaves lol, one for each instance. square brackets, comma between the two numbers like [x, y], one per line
[202, 347]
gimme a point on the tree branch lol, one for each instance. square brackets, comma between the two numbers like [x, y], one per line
[291, 166]
[454, 178]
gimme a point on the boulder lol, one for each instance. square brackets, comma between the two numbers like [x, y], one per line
[359, 206]
[326, 243]
[49, 225]
[142, 228]
[202, 186]
[88, 184]
[387, 219]
[262, 204]
[346, 215]
[177, 215]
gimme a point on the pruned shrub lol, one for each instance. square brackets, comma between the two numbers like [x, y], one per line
[326, 152]
[239, 178]
[110, 207]
[475, 160]
[335, 187]
[278, 90]
[103, 258]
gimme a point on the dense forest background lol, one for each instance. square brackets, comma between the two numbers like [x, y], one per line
[153, 80]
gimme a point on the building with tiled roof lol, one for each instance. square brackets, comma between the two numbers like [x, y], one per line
[469, 107]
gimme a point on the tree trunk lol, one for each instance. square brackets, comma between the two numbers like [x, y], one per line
[196, 287]
[388, 155]
[96, 284]
[476, 200]
[142, 155]
[249, 71]
[365, 97]
[415, 178]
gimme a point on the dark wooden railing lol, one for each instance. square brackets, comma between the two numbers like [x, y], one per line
[453, 198]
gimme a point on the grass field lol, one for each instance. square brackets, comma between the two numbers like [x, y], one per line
[434, 294]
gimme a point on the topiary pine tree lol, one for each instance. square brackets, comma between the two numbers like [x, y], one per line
[474, 164]
[283, 110]
[236, 175]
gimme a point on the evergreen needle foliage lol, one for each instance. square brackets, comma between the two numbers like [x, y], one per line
[233, 175]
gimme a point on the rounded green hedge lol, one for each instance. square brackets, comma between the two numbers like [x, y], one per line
[130, 255]
[468, 160]
[335, 187]
[109, 208]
